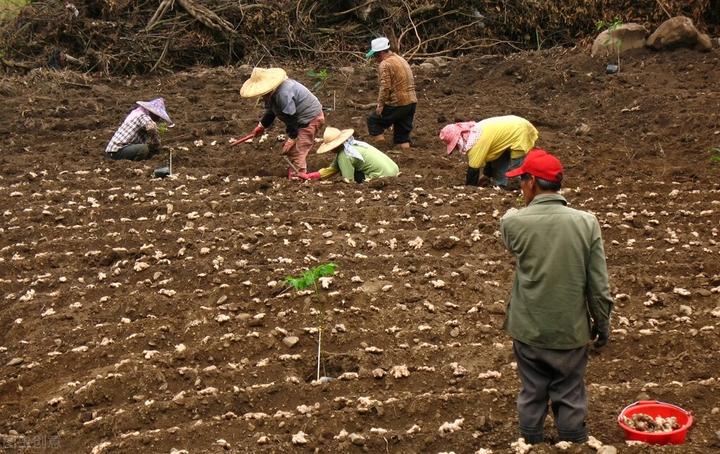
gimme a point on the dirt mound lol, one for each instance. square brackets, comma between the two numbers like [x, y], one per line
[132, 36]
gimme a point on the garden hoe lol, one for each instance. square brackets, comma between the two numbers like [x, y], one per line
[243, 139]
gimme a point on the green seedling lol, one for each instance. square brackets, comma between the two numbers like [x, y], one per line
[611, 40]
[319, 76]
[162, 128]
[310, 278]
[307, 280]
[715, 155]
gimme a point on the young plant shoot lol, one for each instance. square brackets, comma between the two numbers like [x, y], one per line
[612, 38]
[309, 279]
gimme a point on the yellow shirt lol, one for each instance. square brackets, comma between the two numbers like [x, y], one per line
[499, 134]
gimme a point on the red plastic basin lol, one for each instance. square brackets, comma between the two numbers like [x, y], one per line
[654, 408]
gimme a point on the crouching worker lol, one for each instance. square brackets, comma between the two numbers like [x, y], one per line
[497, 144]
[294, 104]
[138, 137]
[357, 161]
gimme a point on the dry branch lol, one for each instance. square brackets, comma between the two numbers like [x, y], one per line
[138, 36]
[206, 16]
[357, 105]
[164, 6]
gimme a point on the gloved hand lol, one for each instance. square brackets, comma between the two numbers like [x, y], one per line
[601, 335]
[288, 145]
[327, 172]
[259, 129]
[309, 176]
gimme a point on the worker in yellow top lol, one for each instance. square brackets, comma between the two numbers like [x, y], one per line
[498, 144]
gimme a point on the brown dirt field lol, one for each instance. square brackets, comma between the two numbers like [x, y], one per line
[105, 271]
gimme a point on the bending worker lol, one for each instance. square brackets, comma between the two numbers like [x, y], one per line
[357, 161]
[138, 137]
[498, 144]
[294, 104]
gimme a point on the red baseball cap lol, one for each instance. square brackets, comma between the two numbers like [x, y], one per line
[540, 164]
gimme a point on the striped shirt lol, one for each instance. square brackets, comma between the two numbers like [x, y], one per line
[137, 128]
[397, 85]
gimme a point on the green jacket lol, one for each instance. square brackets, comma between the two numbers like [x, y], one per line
[561, 281]
[375, 164]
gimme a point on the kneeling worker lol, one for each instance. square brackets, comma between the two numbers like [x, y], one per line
[498, 144]
[357, 161]
[138, 137]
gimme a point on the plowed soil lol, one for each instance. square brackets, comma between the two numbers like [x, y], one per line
[148, 315]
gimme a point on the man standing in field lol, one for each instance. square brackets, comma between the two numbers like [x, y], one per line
[396, 97]
[560, 300]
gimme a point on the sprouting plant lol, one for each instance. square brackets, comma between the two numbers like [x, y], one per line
[309, 279]
[162, 128]
[319, 76]
[715, 155]
[611, 40]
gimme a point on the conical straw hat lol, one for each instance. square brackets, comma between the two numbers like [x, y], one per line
[333, 138]
[262, 81]
[156, 106]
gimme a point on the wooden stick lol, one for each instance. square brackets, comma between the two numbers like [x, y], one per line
[291, 164]
[164, 6]
[663, 8]
[357, 105]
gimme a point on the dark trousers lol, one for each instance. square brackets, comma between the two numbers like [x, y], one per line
[134, 152]
[400, 118]
[496, 169]
[557, 376]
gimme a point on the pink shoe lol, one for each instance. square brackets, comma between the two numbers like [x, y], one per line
[310, 176]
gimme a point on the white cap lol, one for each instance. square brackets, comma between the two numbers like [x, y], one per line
[377, 45]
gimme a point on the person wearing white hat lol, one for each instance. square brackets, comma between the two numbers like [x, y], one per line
[138, 137]
[396, 100]
[356, 161]
[294, 104]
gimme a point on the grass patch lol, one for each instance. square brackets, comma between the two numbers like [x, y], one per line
[10, 8]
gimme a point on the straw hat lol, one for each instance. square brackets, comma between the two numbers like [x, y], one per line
[333, 138]
[156, 106]
[262, 81]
